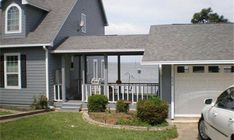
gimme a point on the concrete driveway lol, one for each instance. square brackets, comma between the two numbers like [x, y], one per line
[187, 131]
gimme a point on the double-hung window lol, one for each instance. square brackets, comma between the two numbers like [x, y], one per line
[12, 70]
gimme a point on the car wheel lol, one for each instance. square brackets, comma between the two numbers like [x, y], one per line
[201, 129]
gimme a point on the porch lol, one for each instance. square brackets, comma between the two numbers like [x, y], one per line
[86, 69]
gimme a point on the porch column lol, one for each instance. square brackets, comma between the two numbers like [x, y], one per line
[83, 77]
[63, 71]
[119, 68]
[106, 75]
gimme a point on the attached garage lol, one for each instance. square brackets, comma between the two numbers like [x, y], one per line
[196, 62]
[195, 83]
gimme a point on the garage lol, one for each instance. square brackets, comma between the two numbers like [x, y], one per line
[195, 83]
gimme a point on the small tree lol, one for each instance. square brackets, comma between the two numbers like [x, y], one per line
[207, 16]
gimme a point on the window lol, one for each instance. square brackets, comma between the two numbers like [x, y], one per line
[12, 70]
[228, 69]
[13, 19]
[213, 69]
[226, 99]
[83, 22]
[182, 69]
[102, 68]
[198, 69]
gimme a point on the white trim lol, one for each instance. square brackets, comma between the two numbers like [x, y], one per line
[98, 50]
[25, 45]
[20, 19]
[187, 115]
[189, 62]
[172, 92]
[160, 79]
[47, 71]
[5, 71]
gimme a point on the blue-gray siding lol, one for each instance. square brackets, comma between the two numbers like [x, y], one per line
[36, 78]
[95, 23]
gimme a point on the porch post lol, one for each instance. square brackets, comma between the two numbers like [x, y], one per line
[106, 75]
[172, 92]
[119, 68]
[83, 76]
[63, 71]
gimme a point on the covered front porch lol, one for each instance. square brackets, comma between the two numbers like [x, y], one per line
[101, 65]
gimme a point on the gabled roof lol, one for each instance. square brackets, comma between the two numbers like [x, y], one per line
[48, 29]
[173, 44]
[41, 4]
[103, 44]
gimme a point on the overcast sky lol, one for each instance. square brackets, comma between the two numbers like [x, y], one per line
[136, 16]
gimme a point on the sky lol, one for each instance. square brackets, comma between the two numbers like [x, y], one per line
[136, 16]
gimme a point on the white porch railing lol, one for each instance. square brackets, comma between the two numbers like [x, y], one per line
[58, 92]
[115, 92]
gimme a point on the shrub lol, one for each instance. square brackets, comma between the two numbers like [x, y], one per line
[40, 103]
[122, 106]
[153, 111]
[97, 103]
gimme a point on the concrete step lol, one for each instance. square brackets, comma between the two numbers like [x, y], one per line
[71, 106]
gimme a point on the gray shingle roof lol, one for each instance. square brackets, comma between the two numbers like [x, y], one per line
[49, 27]
[104, 43]
[190, 43]
[40, 4]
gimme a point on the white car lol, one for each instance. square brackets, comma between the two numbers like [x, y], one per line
[217, 118]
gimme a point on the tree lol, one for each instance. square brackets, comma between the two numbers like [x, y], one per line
[207, 16]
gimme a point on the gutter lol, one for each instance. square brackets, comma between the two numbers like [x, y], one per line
[26, 45]
[47, 70]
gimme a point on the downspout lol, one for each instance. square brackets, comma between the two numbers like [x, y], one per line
[47, 70]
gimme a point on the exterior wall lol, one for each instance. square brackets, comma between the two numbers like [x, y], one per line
[36, 78]
[191, 89]
[95, 23]
[34, 17]
[166, 85]
[16, 35]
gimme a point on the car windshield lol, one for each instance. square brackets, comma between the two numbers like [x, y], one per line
[226, 99]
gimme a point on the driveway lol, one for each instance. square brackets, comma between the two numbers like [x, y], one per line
[187, 131]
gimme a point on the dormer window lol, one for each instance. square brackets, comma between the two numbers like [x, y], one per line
[13, 19]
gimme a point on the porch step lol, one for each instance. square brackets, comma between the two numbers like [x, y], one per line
[71, 106]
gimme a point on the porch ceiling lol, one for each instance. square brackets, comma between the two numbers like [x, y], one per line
[103, 44]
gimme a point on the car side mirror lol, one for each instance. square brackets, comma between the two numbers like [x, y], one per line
[208, 101]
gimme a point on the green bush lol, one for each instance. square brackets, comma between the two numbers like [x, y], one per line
[40, 103]
[122, 106]
[97, 103]
[153, 111]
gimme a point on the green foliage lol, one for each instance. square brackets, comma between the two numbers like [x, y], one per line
[207, 16]
[40, 103]
[153, 111]
[97, 103]
[122, 106]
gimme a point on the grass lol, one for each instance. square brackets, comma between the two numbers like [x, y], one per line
[70, 126]
[2, 112]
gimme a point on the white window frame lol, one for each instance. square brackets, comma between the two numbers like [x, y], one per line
[20, 19]
[84, 19]
[5, 71]
[95, 68]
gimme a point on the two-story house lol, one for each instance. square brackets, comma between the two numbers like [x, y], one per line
[30, 29]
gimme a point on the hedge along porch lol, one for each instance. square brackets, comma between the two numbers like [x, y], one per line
[84, 69]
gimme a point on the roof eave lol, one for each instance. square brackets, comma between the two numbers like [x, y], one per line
[104, 13]
[145, 62]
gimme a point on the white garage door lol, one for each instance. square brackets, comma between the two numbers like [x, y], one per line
[193, 84]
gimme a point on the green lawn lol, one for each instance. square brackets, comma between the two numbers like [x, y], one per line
[5, 112]
[70, 126]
